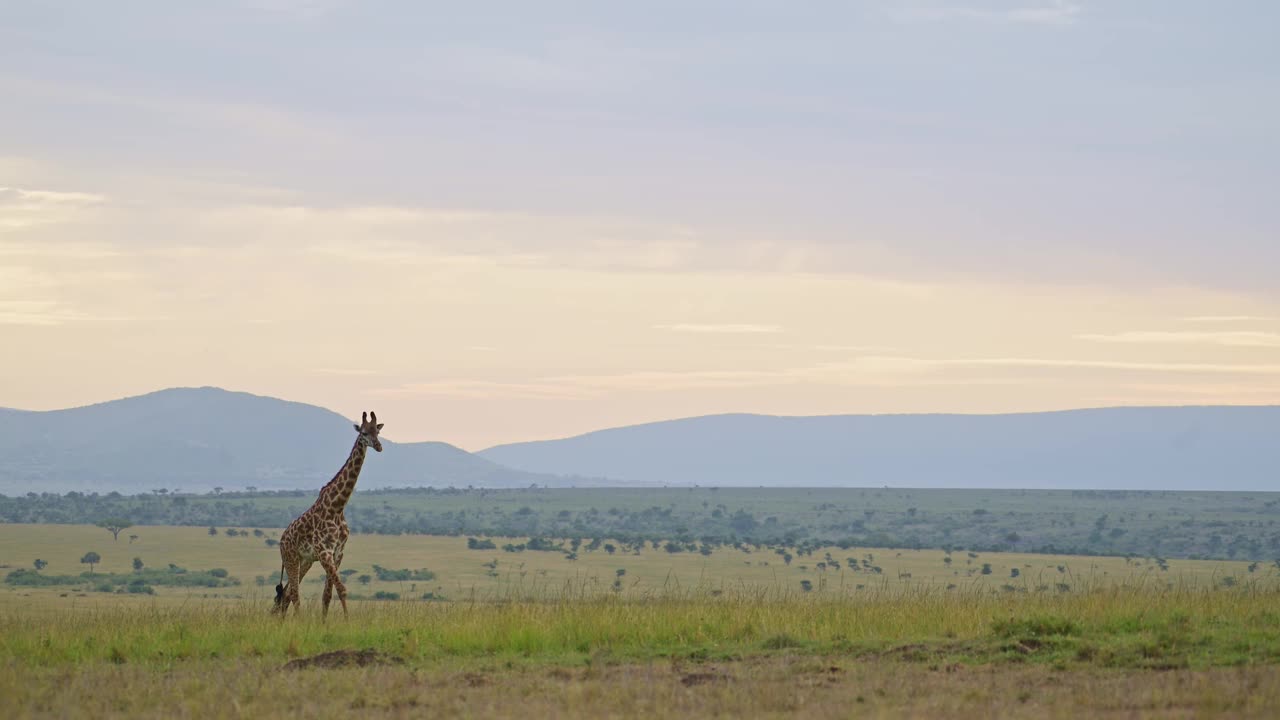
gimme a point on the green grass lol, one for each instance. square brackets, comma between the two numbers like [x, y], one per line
[686, 635]
[1118, 627]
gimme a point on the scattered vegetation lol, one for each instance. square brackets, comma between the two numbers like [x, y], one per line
[1195, 525]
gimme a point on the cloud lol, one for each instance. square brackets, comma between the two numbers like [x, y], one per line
[1241, 338]
[1052, 12]
[36, 312]
[56, 250]
[22, 208]
[343, 372]
[479, 389]
[1196, 368]
[294, 9]
[429, 235]
[729, 328]
[1225, 318]
[871, 371]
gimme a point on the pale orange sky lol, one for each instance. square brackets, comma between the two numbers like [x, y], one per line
[490, 236]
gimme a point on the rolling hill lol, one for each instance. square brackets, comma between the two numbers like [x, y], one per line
[1171, 448]
[195, 439]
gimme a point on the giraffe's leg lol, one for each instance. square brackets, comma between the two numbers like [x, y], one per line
[290, 594]
[332, 580]
[327, 596]
[295, 582]
[342, 587]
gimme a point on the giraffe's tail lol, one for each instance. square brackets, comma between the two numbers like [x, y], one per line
[280, 605]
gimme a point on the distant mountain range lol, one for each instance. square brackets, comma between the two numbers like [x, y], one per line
[195, 439]
[1168, 448]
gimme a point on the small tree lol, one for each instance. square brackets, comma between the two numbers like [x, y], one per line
[137, 564]
[39, 564]
[364, 579]
[114, 526]
[91, 559]
[986, 568]
[213, 530]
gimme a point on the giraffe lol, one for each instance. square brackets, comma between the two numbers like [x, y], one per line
[321, 532]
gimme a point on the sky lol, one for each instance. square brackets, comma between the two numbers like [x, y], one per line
[505, 221]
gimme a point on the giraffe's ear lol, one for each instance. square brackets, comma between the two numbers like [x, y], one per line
[380, 427]
[357, 427]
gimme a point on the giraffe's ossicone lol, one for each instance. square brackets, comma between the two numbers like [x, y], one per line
[320, 534]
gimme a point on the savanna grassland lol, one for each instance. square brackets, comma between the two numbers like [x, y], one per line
[736, 631]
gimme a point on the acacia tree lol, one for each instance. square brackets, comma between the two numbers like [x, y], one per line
[91, 559]
[114, 526]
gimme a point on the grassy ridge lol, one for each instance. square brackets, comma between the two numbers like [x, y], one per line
[1118, 627]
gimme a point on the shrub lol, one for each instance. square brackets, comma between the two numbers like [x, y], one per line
[388, 575]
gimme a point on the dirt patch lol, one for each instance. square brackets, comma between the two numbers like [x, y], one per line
[918, 652]
[344, 659]
[476, 680]
[702, 678]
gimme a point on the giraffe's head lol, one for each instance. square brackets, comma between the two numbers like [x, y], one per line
[368, 429]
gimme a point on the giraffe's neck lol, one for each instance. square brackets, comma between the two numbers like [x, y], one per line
[334, 496]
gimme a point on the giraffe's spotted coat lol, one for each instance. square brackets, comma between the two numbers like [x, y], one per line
[320, 534]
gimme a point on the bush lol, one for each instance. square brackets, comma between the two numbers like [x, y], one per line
[31, 578]
[384, 595]
[388, 575]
